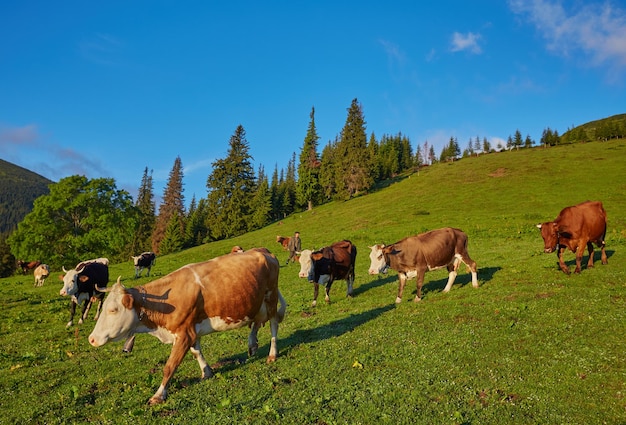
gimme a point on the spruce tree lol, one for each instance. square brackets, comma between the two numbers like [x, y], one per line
[173, 203]
[146, 206]
[173, 238]
[261, 202]
[353, 164]
[231, 187]
[328, 171]
[308, 187]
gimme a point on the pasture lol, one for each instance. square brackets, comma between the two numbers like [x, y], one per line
[531, 345]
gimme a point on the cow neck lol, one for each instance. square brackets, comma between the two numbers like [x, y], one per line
[142, 310]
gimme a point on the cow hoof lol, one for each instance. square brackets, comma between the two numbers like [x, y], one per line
[155, 400]
[207, 373]
[314, 303]
[271, 359]
[252, 350]
[69, 324]
[398, 300]
[417, 299]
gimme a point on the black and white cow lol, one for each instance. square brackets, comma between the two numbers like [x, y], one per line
[143, 261]
[81, 285]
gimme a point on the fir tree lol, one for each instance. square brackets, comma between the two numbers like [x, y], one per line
[146, 206]
[353, 165]
[261, 202]
[327, 171]
[231, 187]
[173, 237]
[173, 204]
[308, 187]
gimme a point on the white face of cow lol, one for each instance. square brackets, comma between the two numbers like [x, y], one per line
[116, 321]
[136, 260]
[70, 283]
[377, 260]
[306, 264]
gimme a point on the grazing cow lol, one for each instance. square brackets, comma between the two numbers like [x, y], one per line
[81, 284]
[224, 293]
[144, 260]
[414, 255]
[576, 227]
[27, 265]
[41, 273]
[323, 267]
[284, 241]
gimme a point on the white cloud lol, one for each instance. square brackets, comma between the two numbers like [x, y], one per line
[598, 30]
[466, 42]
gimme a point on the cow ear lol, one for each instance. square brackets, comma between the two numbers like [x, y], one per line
[539, 226]
[317, 256]
[127, 301]
[83, 278]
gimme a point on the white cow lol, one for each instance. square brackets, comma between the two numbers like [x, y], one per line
[41, 273]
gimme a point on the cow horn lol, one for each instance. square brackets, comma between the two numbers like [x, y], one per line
[63, 268]
[104, 289]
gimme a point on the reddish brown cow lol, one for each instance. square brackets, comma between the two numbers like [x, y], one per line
[224, 293]
[576, 227]
[413, 256]
[284, 241]
[27, 265]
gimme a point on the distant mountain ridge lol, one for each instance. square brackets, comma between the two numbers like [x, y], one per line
[19, 188]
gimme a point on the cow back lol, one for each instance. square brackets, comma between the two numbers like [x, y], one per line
[585, 220]
[434, 248]
[337, 260]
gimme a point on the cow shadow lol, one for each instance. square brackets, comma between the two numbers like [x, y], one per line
[485, 275]
[375, 283]
[571, 262]
[305, 336]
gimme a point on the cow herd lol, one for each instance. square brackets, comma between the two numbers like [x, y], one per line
[241, 288]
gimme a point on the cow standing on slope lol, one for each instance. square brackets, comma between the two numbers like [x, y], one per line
[415, 255]
[224, 293]
[576, 227]
[324, 266]
[81, 285]
[41, 274]
[144, 261]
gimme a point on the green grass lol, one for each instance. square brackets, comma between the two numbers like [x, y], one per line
[530, 346]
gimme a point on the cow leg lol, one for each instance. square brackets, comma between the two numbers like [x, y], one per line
[327, 292]
[591, 255]
[73, 305]
[273, 348]
[316, 290]
[253, 341]
[580, 250]
[452, 272]
[604, 258]
[204, 366]
[98, 309]
[86, 308]
[420, 283]
[350, 284]
[562, 264]
[129, 344]
[402, 282]
[179, 349]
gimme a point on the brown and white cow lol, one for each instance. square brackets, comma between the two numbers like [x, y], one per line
[41, 274]
[415, 255]
[224, 293]
[576, 227]
[26, 266]
[324, 266]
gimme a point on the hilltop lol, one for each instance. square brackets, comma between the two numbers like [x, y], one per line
[19, 188]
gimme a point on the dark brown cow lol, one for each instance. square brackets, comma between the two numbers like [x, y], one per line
[415, 255]
[224, 293]
[27, 265]
[284, 241]
[576, 227]
[323, 267]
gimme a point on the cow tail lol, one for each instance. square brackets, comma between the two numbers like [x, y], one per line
[283, 307]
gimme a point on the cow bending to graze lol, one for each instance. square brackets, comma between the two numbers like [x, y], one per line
[415, 255]
[41, 274]
[576, 227]
[324, 266]
[26, 266]
[224, 293]
[142, 261]
[81, 284]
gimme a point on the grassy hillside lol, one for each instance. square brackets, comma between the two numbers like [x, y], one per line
[19, 188]
[531, 345]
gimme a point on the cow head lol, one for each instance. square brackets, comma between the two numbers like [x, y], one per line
[70, 281]
[306, 264]
[118, 318]
[550, 235]
[378, 260]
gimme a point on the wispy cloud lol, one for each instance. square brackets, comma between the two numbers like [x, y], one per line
[466, 42]
[597, 31]
[101, 49]
[17, 136]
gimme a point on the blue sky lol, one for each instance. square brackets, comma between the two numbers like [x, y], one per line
[105, 89]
